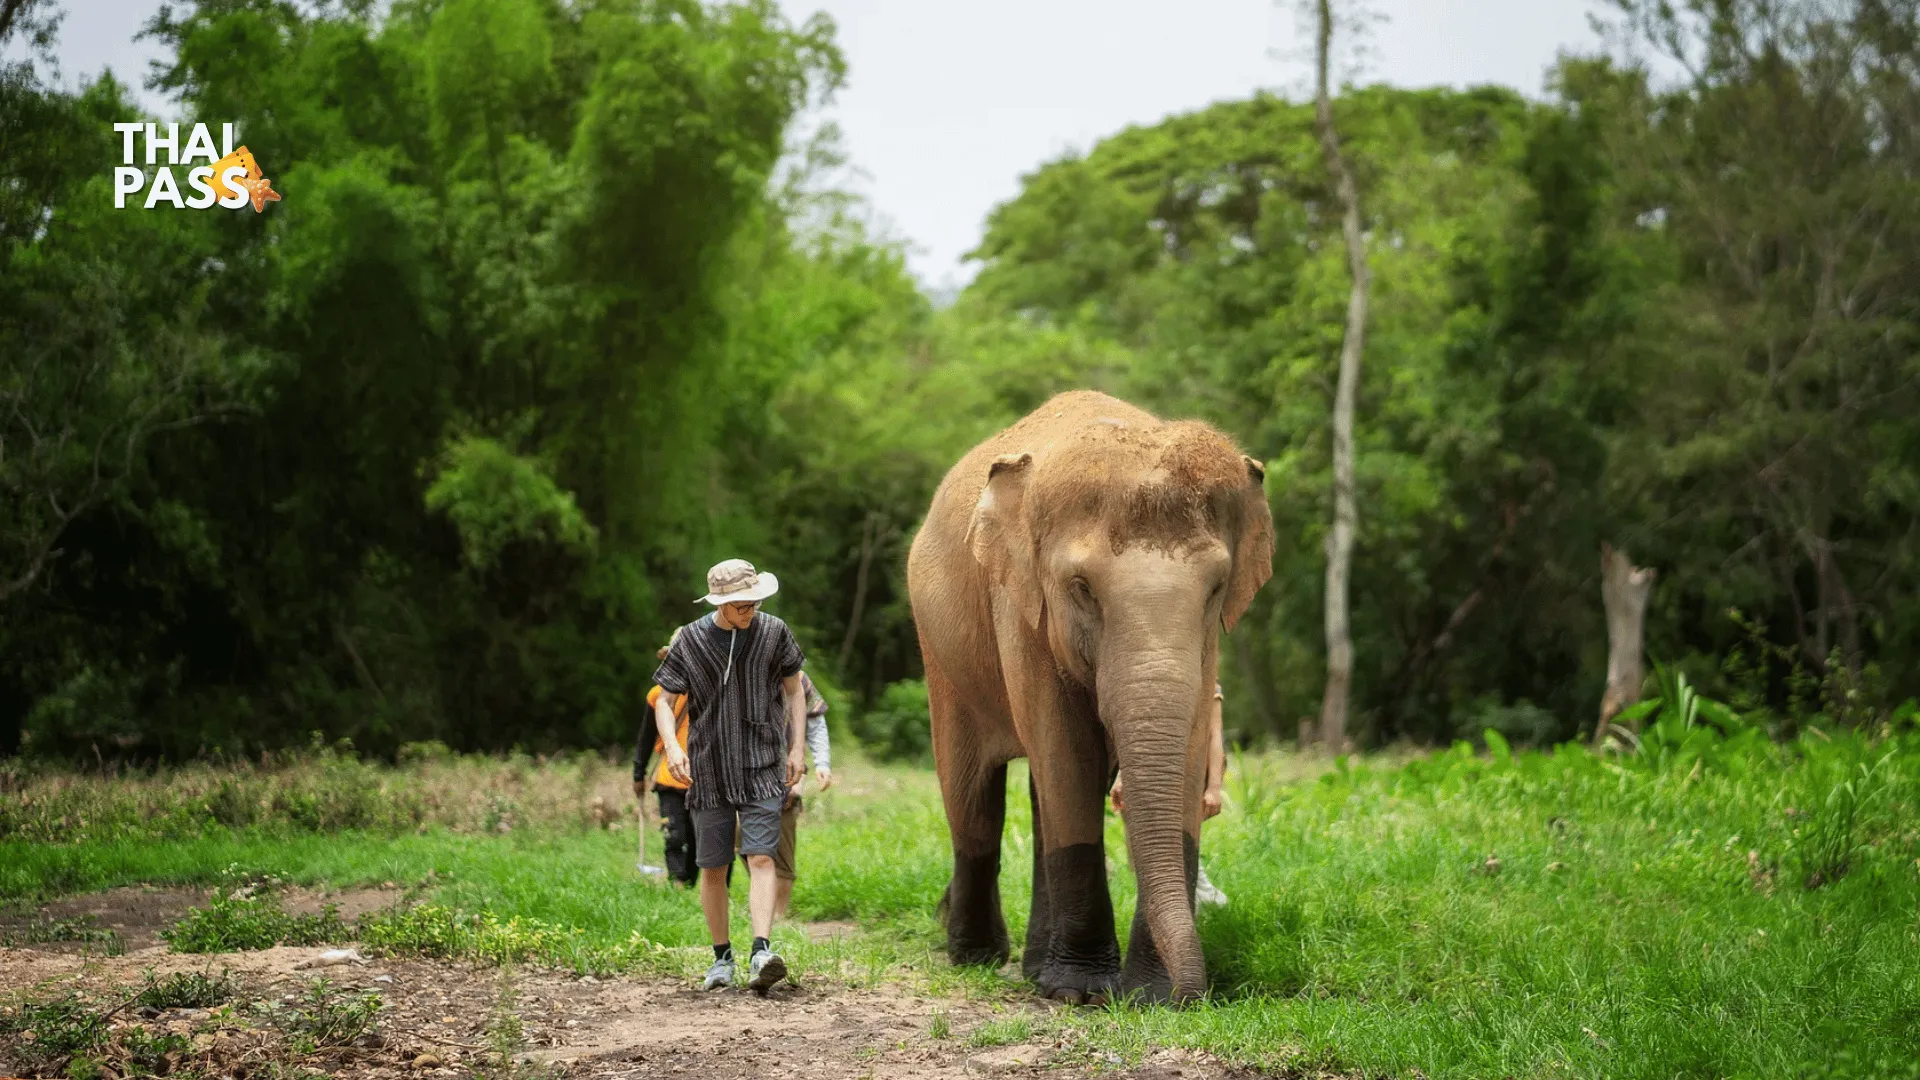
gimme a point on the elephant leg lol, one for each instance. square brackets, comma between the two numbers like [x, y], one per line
[976, 929]
[1082, 952]
[1040, 913]
[975, 793]
[1145, 972]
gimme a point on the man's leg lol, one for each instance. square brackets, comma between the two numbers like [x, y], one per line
[759, 842]
[761, 890]
[713, 831]
[714, 902]
[783, 872]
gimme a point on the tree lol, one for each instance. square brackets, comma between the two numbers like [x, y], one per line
[1339, 688]
[1781, 171]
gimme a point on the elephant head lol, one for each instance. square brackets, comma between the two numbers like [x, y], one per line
[1125, 550]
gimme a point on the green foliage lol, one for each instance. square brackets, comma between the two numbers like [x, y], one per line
[453, 369]
[1004, 1032]
[495, 497]
[441, 932]
[562, 306]
[316, 791]
[895, 727]
[1827, 845]
[188, 990]
[53, 1033]
[149, 1054]
[250, 917]
[324, 1015]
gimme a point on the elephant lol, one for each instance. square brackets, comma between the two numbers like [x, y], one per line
[1068, 588]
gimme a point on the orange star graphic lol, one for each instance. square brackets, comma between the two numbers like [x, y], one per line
[240, 157]
[261, 189]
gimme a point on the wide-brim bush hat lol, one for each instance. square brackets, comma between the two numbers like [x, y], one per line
[737, 582]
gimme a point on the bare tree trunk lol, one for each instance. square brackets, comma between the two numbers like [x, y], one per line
[867, 544]
[1624, 589]
[1333, 706]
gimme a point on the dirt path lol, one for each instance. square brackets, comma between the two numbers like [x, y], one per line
[439, 1017]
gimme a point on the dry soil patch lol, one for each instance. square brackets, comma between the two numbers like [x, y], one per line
[437, 1015]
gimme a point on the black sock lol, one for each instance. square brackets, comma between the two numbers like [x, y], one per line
[761, 945]
[723, 951]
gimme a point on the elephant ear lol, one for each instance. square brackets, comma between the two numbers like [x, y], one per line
[1000, 539]
[1253, 549]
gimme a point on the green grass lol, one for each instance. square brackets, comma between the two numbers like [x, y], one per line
[1718, 907]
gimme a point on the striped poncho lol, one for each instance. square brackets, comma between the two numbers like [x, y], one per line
[737, 740]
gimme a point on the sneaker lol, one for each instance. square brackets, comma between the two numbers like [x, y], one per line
[767, 969]
[1206, 892]
[719, 976]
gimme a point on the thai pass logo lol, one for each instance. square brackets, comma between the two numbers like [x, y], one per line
[230, 178]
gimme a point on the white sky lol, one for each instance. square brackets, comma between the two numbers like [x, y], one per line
[949, 102]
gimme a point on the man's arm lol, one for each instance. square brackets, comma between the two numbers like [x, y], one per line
[671, 749]
[818, 746]
[796, 728]
[817, 739]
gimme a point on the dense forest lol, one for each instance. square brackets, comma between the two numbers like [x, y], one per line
[563, 304]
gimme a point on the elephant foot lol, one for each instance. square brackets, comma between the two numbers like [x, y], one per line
[981, 954]
[1033, 961]
[1075, 985]
[1149, 990]
[970, 910]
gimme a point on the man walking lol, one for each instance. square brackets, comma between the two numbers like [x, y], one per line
[740, 673]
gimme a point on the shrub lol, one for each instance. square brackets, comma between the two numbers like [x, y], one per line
[244, 919]
[896, 727]
[325, 1015]
[1827, 845]
[440, 932]
[188, 990]
[48, 1034]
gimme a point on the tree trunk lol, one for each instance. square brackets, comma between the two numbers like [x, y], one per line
[1624, 589]
[859, 593]
[1333, 706]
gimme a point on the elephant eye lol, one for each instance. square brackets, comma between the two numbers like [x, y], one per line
[1081, 590]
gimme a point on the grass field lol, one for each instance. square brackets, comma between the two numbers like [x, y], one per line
[1715, 907]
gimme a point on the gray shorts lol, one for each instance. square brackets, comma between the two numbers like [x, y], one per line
[713, 831]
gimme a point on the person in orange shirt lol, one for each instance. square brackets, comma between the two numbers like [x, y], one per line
[675, 818]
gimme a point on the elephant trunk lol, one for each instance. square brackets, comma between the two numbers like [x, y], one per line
[1151, 707]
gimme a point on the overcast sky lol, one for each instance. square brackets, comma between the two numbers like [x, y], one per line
[949, 102]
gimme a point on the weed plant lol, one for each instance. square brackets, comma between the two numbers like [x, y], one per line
[1006, 1031]
[50, 1034]
[323, 1015]
[188, 990]
[244, 918]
